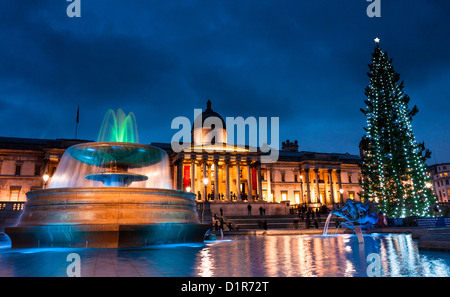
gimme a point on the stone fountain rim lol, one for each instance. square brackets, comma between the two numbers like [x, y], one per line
[109, 189]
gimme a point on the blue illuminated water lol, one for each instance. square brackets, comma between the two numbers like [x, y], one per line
[240, 256]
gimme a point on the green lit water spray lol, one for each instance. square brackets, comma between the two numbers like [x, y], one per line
[118, 127]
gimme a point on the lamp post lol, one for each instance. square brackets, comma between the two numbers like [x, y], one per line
[342, 193]
[205, 183]
[45, 177]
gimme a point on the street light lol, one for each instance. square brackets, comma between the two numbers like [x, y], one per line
[205, 182]
[45, 178]
[342, 196]
[188, 189]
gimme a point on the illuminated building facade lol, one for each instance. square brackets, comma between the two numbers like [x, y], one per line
[235, 174]
[232, 175]
[440, 173]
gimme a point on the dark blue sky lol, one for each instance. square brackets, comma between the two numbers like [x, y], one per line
[302, 61]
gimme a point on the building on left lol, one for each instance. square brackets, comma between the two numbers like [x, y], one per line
[24, 162]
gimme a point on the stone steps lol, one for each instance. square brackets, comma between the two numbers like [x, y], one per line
[274, 222]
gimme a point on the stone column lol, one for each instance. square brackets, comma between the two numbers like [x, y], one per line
[302, 199]
[341, 196]
[238, 180]
[330, 172]
[308, 189]
[227, 180]
[193, 176]
[180, 175]
[249, 181]
[216, 179]
[316, 175]
[259, 182]
[269, 183]
[205, 196]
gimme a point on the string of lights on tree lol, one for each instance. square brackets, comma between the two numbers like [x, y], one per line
[393, 163]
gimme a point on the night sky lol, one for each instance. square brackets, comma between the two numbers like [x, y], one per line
[302, 61]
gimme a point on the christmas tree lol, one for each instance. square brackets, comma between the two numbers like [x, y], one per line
[393, 163]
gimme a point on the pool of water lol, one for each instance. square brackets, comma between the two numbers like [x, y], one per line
[241, 256]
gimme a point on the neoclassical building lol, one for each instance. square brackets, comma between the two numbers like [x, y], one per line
[235, 174]
[231, 175]
[24, 162]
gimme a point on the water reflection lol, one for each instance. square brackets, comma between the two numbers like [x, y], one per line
[240, 256]
[279, 256]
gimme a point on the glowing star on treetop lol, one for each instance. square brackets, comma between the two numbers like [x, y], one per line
[377, 40]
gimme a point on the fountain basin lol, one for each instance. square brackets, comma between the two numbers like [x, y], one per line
[131, 155]
[107, 217]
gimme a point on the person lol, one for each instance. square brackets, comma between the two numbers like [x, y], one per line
[382, 222]
[221, 228]
[216, 226]
[199, 195]
[261, 210]
[265, 225]
[221, 212]
[316, 224]
[295, 224]
[249, 208]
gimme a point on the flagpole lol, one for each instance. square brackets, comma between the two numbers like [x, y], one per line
[78, 117]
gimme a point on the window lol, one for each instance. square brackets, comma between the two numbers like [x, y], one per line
[297, 197]
[446, 182]
[296, 178]
[14, 193]
[37, 170]
[283, 177]
[18, 169]
[349, 178]
[351, 195]
[283, 195]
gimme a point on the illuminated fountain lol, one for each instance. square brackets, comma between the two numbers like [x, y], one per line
[110, 193]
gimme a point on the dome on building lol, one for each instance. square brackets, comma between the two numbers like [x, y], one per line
[208, 113]
[199, 132]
